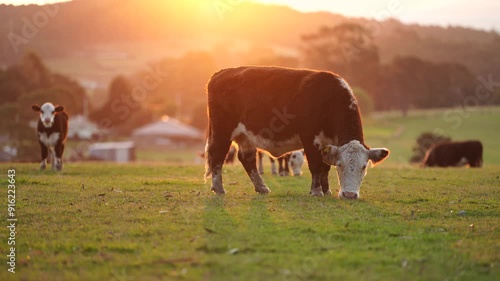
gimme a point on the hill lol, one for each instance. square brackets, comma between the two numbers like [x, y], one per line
[133, 32]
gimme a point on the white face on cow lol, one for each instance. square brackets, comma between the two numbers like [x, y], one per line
[296, 161]
[351, 161]
[47, 113]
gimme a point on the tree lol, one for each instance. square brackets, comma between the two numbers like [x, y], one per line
[365, 102]
[347, 49]
[35, 73]
[122, 112]
[200, 118]
[421, 84]
[24, 84]
[119, 104]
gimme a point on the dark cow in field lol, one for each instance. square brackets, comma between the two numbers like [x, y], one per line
[52, 130]
[447, 154]
[280, 110]
[291, 161]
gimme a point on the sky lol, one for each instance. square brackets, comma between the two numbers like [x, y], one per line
[481, 14]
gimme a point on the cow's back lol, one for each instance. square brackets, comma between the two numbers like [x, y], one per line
[451, 153]
[288, 99]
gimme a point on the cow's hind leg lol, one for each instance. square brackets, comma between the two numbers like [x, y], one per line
[59, 149]
[247, 157]
[216, 151]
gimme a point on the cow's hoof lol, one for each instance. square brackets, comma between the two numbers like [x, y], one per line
[328, 192]
[316, 193]
[262, 190]
[219, 191]
[283, 174]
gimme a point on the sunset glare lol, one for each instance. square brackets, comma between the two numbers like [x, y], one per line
[428, 12]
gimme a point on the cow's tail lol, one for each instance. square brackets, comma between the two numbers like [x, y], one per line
[208, 170]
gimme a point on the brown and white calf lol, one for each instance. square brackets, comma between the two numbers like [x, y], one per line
[448, 154]
[281, 110]
[52, 130]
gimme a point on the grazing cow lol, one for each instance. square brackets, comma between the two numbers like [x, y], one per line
[296, 161]
[290, 161]
[281, 110]
[52, 131]
[448, 153]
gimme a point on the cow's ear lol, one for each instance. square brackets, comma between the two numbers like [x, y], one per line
[59, 108]
[36, 107]
[330, 154]
[376, 155]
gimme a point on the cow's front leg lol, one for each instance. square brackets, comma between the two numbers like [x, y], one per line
[316, 166]
[45, 152]
[52, 156]
[273, 165]
[260, 155]
[316, 186]
[283, 166]
[247, 157]
[43, 164]
[325, 186]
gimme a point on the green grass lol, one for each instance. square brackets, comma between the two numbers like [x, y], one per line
[98, 221]
[399, 133]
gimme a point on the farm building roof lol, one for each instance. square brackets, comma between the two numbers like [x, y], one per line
[169, 127]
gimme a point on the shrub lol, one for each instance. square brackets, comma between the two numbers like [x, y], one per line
[424, 142]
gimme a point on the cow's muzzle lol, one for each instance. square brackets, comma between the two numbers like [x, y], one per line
[348, 195]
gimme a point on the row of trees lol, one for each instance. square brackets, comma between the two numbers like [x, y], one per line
[176, 86]
[349, 49]
[403, 83]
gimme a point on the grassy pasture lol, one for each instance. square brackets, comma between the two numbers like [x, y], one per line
[157, 220]
[397, 133]
[98, 221]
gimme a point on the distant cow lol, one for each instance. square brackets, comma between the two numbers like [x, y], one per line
[447, 154]
[52, 131]
[281, 110]
[290, 161]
